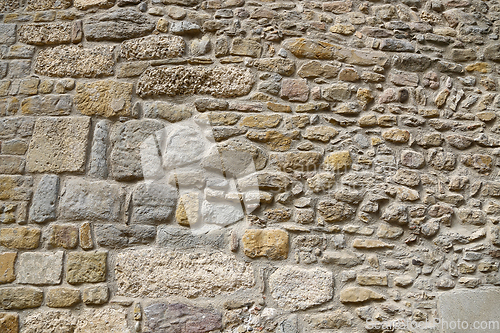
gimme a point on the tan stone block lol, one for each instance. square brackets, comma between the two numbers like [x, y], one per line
[83, 267]
[65, 236]
[24, 238]
[9, 322]
[358, 295]
[86, 241]
[62, 297]
[188, 209]
[261, 121]
[396, 135]
[276, 107]
[104, 98]
[372, 279]
[271, 243]
[19, 298]
[340, 160]
[7, 263]
[370, 244]
[16, 188]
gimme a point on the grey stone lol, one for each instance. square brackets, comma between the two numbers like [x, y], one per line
[126, 139]
[40, 268]
[153, 203]
[180, 318]
[18, 298]
[182, 238]
[116, 236]
[492, 52]
[8, 33]
[396, 45]
[412, 62]
[47, 105]
[85, 200]
[19, 69]
[184, 28]
[118, 25]
[43, 206]
[97, 295]
[222, 214]
[98, 166]
[168, 111]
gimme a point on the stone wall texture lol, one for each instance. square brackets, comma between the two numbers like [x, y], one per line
[276, 166]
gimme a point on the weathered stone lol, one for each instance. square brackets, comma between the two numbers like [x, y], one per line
[85, 236]
[192, 274]
[22, 238]
[153, 47]
[472, 216]
[65, 236]
[184, 28]
[265, 243]
[86, 267]
[118, 25]
[412, 62]
[97, 295]
[46, 33]
[102, 320]
[62, 297]
[396, 135]
[304, 161]
[82, 200]
[11, 165]
[73, 61]
[462, 55]
[320, 133]
[9, 322]
[342, 258]
[335, 211]
[359, 295]
[459, 141]
[58, 145]
[61, 321]
[275, 140]
[370, 244]
[246, 47]
[181, 318]
[18, 298]
[170, 112]
[441, 160]
[153, 202]
[404, 79]
[86, 4]
[47, 4]
[120, 236]
[229, 81]
[98, 166]
[14, 147]
[337, 161]
[188, 209]
[180, 238]
[295, 288]
[7, 262]
[321, 182]
[343, 29]
[389, 232]
[336, 92]
[295, 90]
[305, 48]
[281, 66]
[261, 121]
[48, 105]
[221, 214]
[43, 207]
[104, 98]
[491, 52]
[40, 268]
[396, 45]
[481, 163]
[331, 320]
[372, 279]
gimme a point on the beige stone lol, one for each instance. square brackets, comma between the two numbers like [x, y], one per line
[22, 238]
[153, 47]
[246, 47]
[18, 298]
[276, 107]
[272, 243]
[261, 121]
[15, 187]
[359, 295]
[320, 133]
[340, 160]
[84, 267]
[65, 236]
[104, 98]
[60, 321]
[370, 244]
[85, 236]
[102, 320]
[188, 209]
[62, 297]
[46, 33]
[58, 145]
[86, 4]
[372, 279]
[396, 135]
[7, 262]
[9, 322]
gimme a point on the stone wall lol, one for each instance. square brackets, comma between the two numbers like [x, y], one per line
[193, 166]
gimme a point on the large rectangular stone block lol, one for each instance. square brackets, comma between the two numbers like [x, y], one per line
[40, 268]
[45, 33]
[58, 145]
[22, 238]
[86, 267]
[18, 298]
[16, 188]
[104, 98]
[48, 105]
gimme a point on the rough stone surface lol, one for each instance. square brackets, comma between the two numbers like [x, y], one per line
[295, 288]
[86, 267]
[50, 149]
[9, 322]
[62, 297]
[43, 207]
[51, 321]
[269, 243]
[45, 33]
[40, 268]
[48, 105]
[153, 47]
[178, 273]
[104, 98]
[18, 298]
[103, 320]
[153, 202]
[7, 262]
[22, 238]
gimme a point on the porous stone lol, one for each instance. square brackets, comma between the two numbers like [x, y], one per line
[7, 262]
[261, 121]
[153, 202]
[22, 238]
[335, 211]
[337, 161]
[190, 274]
[33, 5]
[98, 165]
[40, 268]
[95, 295]
[281, 66]
[265, 243]
[227, 81]
[86, 4]
[87, 200]
[372, 279]
[396, 135]
[294, 288]
[58, 145]
[104, 98]
[43, 206]
[86, 267]
[48, 105]
[46, 33]
[61, 321]
[73, 61]
[18, 298]
[9, 322]
[118, 25]
[62, 297]
[102, 320]
[320, 133]
[182, 318]
[153, 47]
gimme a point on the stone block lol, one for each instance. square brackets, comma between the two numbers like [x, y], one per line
[87, 4]
[85, 235]
[22, 238]
[58, 145]
[119, 236]
[359, 295]
[153, 203]
[47, 4]
[47, 105]
[246, 47]
[46, 33]
[95, 295]
[19, 298]
[102, 320]
[86, 267]
[65, 236]
[43, 204]
[60, 321]
[62, 297]
[295, 90]
[7, 263]
[11, 165]
[265, 243]
[9, 322]
[7, 34]
[153, 47]
[40, 268]
[87, 200]
[15, 188]
[106, 98]
[170, 112]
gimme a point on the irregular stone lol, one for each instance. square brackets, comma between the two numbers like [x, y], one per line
[65, 236]
[320, 133]
[74, 61]
[462, 55]
[184, 28]
[126, 139]
[281, 66]
[335, 211]
[265, 243]
[8, 34]
[294, 288]
[190, 274]
[86, 4]
[40, 268]
[331, 320]
[396, 135]
[221, 214]
[19, 298]
[261, 121]
[22, 238]
[310, 49]
[104, 98]
[43, 206]
[441, 160]
[481, 163]
[491, 52]
[321, 182]
[336, 92]
[181, 318]
[9, 322]
[228, 81]
[304, 161]
[295, 90]
[61, 321]
[412, 62]
[97, 295]
[118, 25]
[372, 279]
[404, 79]
[48, 105]
[396, 45]
[472, 216]
[14, 147]
[51, 149]
[7, 262]
[98, 166]
[337, 161]
[85, 236]
[86, 267]
[102, 320]
[182, 238]
[404, 280]
[46, 33]
[359, 295]
[11, 164]
[342, 258]
[370, 244]
[153, 47]
[62, 297]
[120, 236]
[246, 47]
[153, 203]
[459, 141]
[389, 232]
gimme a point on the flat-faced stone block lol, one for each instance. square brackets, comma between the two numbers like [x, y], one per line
[269, 243]
[62, 297]
[58, 145]
[40, 268]
[43, 206]
[86, 267]
[102, 320]
[18, 298]
[104, 98]
[45, 33]
[153, 202]
[7, 262]
[65, 236]
[153, 47]
[9, 322]
[22, 238]
[15, 188]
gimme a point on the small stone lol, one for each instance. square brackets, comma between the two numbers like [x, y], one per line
[320, 133]
[372, 279]
[337, 161]
[62, 297]
[97, 295]
[246, 47]
[306, 48]
[459, 141]
[359, 295]
[7, 263]
[295, 288]
[370, 244]
[321, 182]
[19, 298]
[342, 258]
[389, 232]
[336, 92]
[480, 162]
[48, 105]
[269, 243]
[22, 238]
[335, 211]
[482, 67]
[120, 236]
[396, 135]
[297, 161]
[188, 209]
[396, 45]
[463, 55]
[43, 207]
[295, 90]
[261, 121]
[88, 267]
[472, 216]
[184, 28]
[104, 98]
[177, 13]
[404, 280]
[404, 79]
[65, 236]
[40, 268]
[281, 66]
[7, 33]
[58, 145]
[348, 74]
[102, 320]
[86, 4]
[9, 322]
